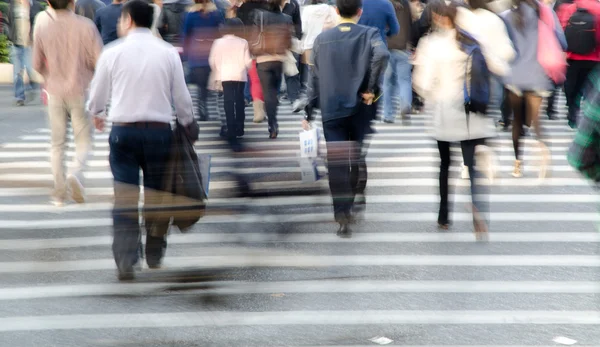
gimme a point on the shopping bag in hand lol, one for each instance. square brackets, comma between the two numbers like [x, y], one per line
[309, 143]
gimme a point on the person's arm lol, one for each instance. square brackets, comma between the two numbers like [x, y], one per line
[180, 94]
[379, 59]
[38, 56]
[247, 56]
[583, 153]
[424, 74]
[214, 56]
[392, 20]
[100, 87]
[313, 91]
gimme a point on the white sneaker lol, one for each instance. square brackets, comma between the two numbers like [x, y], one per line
[76, 189]
[517, 170]
[57, 202]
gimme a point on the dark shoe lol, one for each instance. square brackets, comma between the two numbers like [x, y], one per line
[443, 226]
[344, 231]
[240, 133]
[223, 133]
[572, 124]
[125, 271]
[273, 134]
[20, 103]
[389, 121]
[552, 115]
[155, 251]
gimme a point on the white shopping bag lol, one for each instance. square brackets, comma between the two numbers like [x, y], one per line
[308, 168]
[309, 143]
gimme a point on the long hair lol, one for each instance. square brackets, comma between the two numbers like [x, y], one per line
[518, 15]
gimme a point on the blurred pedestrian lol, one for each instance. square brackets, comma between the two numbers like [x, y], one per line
[581, 22]
[21, 16]
[270, 41]
[142, 78]
[88, 8]
[65, 54]
[346, 85]
[397, 79]
[439, 76]
[528, 82]
[200, 30]
[230, 60]
[172, 18]
[292, 82]
[106, 21]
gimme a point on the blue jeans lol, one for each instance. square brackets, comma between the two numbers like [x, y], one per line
[397, 82]
[132, 149]
[21, 60]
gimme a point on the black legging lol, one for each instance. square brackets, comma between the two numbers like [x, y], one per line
[477, 191]
[526, 110]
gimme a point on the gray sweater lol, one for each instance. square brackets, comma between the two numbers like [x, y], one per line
[526, 72]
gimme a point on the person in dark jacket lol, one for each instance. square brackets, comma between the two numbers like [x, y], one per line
[397, 80]
[270, 40]
[293, 83]
[106, 21]
[21, 16]
[200, 29]
[346, 85]
[88, 8]
[171, 19]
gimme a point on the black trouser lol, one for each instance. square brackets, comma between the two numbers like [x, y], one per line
[505, 108]
[577, 75]
[200, 77]
[270, 74]
[233, 95]
[132, 149]
[346, 161]
[478, 192]
[551, 107]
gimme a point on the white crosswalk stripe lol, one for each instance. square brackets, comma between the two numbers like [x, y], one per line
[397, 277]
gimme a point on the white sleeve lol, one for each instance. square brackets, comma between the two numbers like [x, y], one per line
[424, 68]
[100, 87]
[180, 94]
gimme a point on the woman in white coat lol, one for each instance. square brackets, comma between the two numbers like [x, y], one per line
[439, 76]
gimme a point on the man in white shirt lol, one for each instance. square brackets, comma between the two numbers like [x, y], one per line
[142, 78]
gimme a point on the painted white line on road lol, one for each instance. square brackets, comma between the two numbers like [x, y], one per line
[103, 175]
[304, 287]
[298, 260]
[284, 318]
[376, 142]
[321, 200]
[310, 238]
[275, 150]
[505, 137]
[373, 183]
[71, 223]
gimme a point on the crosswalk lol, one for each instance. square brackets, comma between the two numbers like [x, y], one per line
[398, 277]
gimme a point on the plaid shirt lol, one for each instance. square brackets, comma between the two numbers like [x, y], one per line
[584, 153]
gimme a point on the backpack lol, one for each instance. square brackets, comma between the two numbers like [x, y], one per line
[477, 76]
[581, 32]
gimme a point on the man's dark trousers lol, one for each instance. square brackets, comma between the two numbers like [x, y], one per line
[144, 146]
[577, 77]
[345, 160]
[233, 95]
